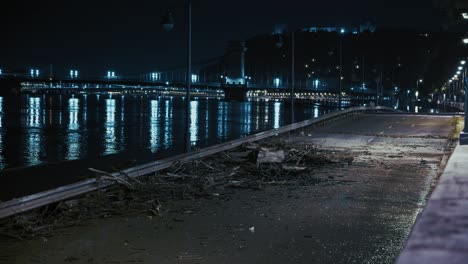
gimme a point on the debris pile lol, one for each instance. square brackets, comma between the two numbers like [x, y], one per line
[251, 166]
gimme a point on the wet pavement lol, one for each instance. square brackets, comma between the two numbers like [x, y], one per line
[365, 218]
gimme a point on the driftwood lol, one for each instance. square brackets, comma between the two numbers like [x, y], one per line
[251, 166]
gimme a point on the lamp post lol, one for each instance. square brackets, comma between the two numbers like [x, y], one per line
[464, 133]
[416, 93]
[342, 31]
[279, 44]
[168, 24]
[292, 79]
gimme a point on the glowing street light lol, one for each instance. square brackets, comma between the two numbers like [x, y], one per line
[167, 24]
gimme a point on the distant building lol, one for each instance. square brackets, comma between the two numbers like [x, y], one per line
[322, 29]
[364, 27]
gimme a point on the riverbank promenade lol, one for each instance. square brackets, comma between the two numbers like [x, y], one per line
[347, 189]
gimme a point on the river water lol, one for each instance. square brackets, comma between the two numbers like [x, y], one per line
[43, 129]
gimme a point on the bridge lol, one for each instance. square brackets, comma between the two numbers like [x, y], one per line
[172, 86]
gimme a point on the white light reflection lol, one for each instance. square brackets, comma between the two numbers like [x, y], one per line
[73, 133]
[316, 111]
[33, 138]
[109, 137]
[33, 112]
[154, 126]
[276, 115]
[257, 117]
[247, 118]
[207, 107]
[168, 111]
[193, 122]
[222, 120]
[85, 108]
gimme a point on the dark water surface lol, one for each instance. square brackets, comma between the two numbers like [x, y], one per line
[49, 129]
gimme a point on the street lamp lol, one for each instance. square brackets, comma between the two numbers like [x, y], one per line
[342, 31]
[279, 44]
[168, 24]
[464, 133]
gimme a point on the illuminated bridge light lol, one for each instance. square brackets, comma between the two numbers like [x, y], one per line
[276, 82]
[194, 78]
[110, 74]
[155, 76]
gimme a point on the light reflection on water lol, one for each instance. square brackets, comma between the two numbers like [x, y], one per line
[193, 122]
[109, 135]
[53, 128]
[73, 136]
[154, 126]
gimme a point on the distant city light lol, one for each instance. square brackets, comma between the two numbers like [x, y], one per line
[465, 15]
[458, 72]
[1, 72]
[110, 74]
[73, 74]
[154, 76]
[342, 31]
[462, 62]
[465, 40]
[194, 78]
[34, 73]
[276, 82]
[460, 68]
[316, 83]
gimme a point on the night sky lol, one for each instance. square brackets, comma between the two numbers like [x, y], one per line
[125, 36]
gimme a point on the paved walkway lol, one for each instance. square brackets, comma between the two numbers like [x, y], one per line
[441, 233]
[362, 213]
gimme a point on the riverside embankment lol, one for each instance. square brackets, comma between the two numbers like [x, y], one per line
[348, 191]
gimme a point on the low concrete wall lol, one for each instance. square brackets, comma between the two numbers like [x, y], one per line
[440, 234]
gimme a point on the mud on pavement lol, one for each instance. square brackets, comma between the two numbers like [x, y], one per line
[307, 197]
